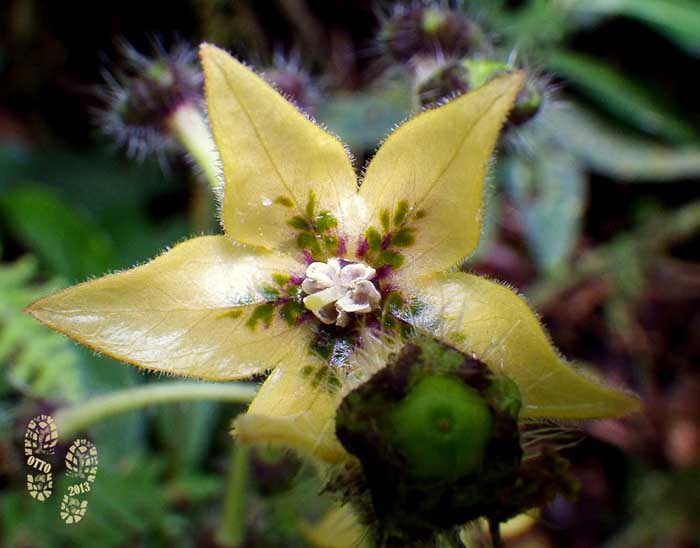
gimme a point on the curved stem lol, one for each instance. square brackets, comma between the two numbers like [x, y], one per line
[80, 416]
[191, 130]
[232, 529]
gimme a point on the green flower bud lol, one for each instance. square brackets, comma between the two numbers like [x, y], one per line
[457, 77]
[442, 428]
[482, 71]
[437, 439]
[433, 441]
[527, 103]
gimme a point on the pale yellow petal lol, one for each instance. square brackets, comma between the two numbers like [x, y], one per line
[295, 407]
[187, 312]
[433, 168]
[340, 527]
[273, 157]
[511, 529]
[488, 320]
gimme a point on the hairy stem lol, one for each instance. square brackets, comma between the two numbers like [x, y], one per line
[74, 419]
[189, 127]
[202, 207]
[231, 532]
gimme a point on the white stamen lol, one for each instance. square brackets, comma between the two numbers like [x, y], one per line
[334, 292]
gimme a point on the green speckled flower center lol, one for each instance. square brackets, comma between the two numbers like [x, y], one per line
[442, 428]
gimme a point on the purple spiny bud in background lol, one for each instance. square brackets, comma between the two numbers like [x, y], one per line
[449, 79]
[291, 80]
[427, 31]
[142, 94]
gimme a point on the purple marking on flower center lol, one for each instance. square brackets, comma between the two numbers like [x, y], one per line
[296, 279]
[305, 317]
[387, 288]
[362, 247]
[308, 257]
[384, 272]
[342, 246]
[386, 242]
[373, 323]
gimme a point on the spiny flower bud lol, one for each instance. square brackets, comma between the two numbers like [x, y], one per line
[427, 434]
[421, 31]
[529, 100]
[447, 80]
[437, 436]
[527, 103]
[292, 81]
[144, 93]
[456, 77]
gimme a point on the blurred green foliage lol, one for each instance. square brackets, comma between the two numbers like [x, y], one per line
[363, 120]
[549, 187]
[34, 361]
[70, 244]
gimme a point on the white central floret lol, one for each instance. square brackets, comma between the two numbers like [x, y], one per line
[335, 291]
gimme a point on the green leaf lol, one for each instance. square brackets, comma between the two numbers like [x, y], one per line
[32, 358]
[629, 100]
[114, 183]
[70, 243]
[548, 189]
[325, 221]
[679, 20]
[390, 258]
[536, 24]
[189, 442]
[606, 149]
[115, 191]
[365, 119]
[299, 223]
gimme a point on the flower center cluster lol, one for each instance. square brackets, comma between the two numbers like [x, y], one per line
[337, 289]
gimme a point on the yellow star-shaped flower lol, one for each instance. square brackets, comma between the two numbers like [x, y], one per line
[312, 261]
